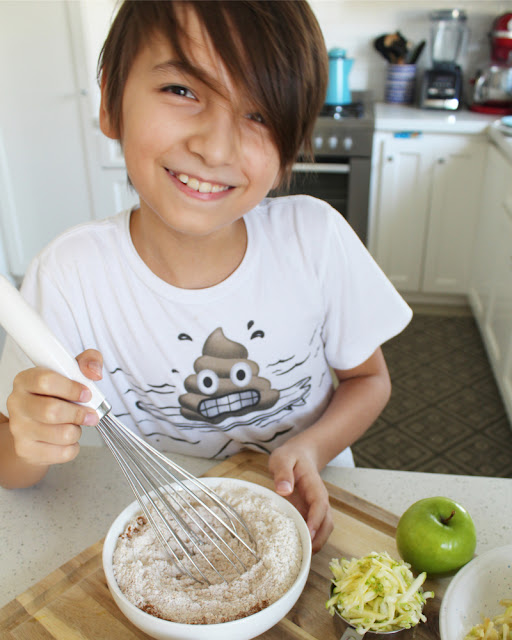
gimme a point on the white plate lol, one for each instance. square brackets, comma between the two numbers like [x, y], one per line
[476, 591]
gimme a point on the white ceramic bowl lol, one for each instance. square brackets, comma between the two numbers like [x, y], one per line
[242, 629]
[476, 591]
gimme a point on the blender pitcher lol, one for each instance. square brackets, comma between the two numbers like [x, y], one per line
[447, 36]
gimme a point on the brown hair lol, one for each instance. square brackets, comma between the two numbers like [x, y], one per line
[273, 49]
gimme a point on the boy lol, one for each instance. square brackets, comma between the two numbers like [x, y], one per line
[213, 312]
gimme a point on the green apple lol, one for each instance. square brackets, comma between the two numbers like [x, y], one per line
[436, 535]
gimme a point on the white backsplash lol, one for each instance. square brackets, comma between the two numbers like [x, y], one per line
[354, 25]
[351, 24]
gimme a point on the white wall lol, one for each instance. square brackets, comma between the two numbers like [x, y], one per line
[44, 175]
[353, 25]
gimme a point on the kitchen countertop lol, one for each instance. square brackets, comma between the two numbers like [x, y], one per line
[73, 507]
[398, 117]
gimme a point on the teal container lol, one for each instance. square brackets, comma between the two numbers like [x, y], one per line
[338, 91]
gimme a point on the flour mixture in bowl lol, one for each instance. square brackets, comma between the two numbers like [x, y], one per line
[151, 582]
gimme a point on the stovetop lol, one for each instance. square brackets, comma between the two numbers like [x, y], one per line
[339, 111]
[359, 112]
[347, 130]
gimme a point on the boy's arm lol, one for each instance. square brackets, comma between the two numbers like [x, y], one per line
[361, 395]
[14, 472]
[359, 399]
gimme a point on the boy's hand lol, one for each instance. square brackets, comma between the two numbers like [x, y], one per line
[296, 477]
[43, 418]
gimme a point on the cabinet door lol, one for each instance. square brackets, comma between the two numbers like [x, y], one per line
[116, 191]
[401, 211]
[457, 178]
[498, 174]
[498, 327]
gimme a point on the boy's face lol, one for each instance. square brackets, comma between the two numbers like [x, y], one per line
[198, 158]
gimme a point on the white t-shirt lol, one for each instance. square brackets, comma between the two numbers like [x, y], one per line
[240, 365]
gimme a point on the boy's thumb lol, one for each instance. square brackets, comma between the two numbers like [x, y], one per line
[91, 364]
[281, 467]
[283, 482]
[284, 487]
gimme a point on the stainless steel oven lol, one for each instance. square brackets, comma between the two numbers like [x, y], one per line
[340, 175]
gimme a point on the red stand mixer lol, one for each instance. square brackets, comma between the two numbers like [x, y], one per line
[492, 86]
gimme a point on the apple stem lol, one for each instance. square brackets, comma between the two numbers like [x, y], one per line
[446, 520]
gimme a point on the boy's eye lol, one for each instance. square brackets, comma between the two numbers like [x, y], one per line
[178, 90]
[256, 117]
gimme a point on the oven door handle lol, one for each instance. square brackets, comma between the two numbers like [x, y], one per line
[321, 167]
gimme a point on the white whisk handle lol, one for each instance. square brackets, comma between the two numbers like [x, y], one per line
[39, 343]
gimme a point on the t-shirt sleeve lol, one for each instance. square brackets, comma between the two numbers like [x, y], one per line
[363, 309]
[42, 294]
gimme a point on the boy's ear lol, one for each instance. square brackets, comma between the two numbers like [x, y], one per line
[106, 125]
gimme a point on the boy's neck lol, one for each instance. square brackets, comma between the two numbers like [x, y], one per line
[189, 262]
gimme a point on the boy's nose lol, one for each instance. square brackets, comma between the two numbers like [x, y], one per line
[216, 137]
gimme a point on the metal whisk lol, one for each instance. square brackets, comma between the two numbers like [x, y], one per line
[185, 514]
[170, 497]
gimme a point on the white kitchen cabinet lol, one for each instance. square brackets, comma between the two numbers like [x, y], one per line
[490, 291]
[498, 175]
[425, 206]
[498, 325]
[498, 320]
[400, 215]
[115, 193]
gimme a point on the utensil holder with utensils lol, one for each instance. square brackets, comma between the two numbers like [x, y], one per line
[400, 83]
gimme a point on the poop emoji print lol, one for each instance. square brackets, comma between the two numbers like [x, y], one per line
[226, 383]
[222, 399]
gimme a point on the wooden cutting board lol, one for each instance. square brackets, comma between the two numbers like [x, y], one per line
[74, 603]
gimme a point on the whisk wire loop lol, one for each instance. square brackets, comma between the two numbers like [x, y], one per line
[171, 467]
[140, 492]
[164, 494]
[156, 483]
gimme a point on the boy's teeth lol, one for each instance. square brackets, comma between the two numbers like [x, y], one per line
[202, 187]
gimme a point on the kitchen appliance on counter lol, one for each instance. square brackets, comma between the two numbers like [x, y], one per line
[338, 89]
[442, 84]
[340, 175]
[492, 86]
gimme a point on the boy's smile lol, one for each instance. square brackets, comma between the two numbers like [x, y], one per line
[197, 185]
[195, 150]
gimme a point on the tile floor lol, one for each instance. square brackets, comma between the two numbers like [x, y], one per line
[445, 414]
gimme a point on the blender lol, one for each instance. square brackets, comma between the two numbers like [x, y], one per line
[442, 83]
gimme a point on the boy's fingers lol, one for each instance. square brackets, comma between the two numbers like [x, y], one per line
[38, 409]
[319, 521]
[315, 517]
[43, 453]
[55, 434]
[322, 534]
[45, 382]
[281, 467]
[90, 362]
